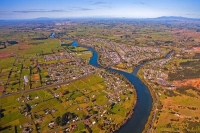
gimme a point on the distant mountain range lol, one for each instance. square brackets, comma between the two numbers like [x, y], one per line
[158, 18]
[175, 18]
[43, 18]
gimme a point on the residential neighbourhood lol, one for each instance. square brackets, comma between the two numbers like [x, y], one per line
[127, 56]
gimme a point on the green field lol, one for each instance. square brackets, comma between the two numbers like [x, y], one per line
[82, 97]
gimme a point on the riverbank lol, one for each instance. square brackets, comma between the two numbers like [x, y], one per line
[143, 106]
[94, 60]
[130, 113]
[150, 122]
[179, 105]
[128, 71]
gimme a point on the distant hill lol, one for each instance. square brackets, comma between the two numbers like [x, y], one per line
[43, 18]
[47, 19]
[175, 18]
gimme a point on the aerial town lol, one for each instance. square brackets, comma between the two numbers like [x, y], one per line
[122, 56]
[99, 66]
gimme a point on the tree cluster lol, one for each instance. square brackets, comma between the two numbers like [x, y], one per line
[62, 121]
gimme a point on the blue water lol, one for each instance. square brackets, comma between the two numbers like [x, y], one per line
[74, 44]
[169, 54]
[143, 106]
[52, 35]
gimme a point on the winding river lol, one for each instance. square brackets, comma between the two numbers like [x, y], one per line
[136, 123]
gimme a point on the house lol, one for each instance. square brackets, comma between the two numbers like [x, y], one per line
[51, 124]
[94, 122]
[26, 79]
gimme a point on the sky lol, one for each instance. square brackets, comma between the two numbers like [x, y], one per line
[28, 9]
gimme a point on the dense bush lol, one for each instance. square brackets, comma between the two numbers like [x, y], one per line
[183, 89]
[65, 118]
[193, 125]
[198, 30]
[190, 69]
[170, 93]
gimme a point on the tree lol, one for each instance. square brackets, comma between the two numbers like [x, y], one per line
[94, 112]
[67, 117]
[27, 107]
[58, 121]
[1, 112]
[65, 92]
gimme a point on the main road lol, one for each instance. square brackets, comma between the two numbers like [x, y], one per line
[46, 86]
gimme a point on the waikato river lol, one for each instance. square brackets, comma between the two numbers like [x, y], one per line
[136, 123]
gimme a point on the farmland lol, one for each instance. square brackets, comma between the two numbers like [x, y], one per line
[88, 98]
[174, 82]
[47, 85]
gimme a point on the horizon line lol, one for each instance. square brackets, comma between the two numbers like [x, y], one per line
[97, 17]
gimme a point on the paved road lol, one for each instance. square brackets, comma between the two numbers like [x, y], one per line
[46, 86]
